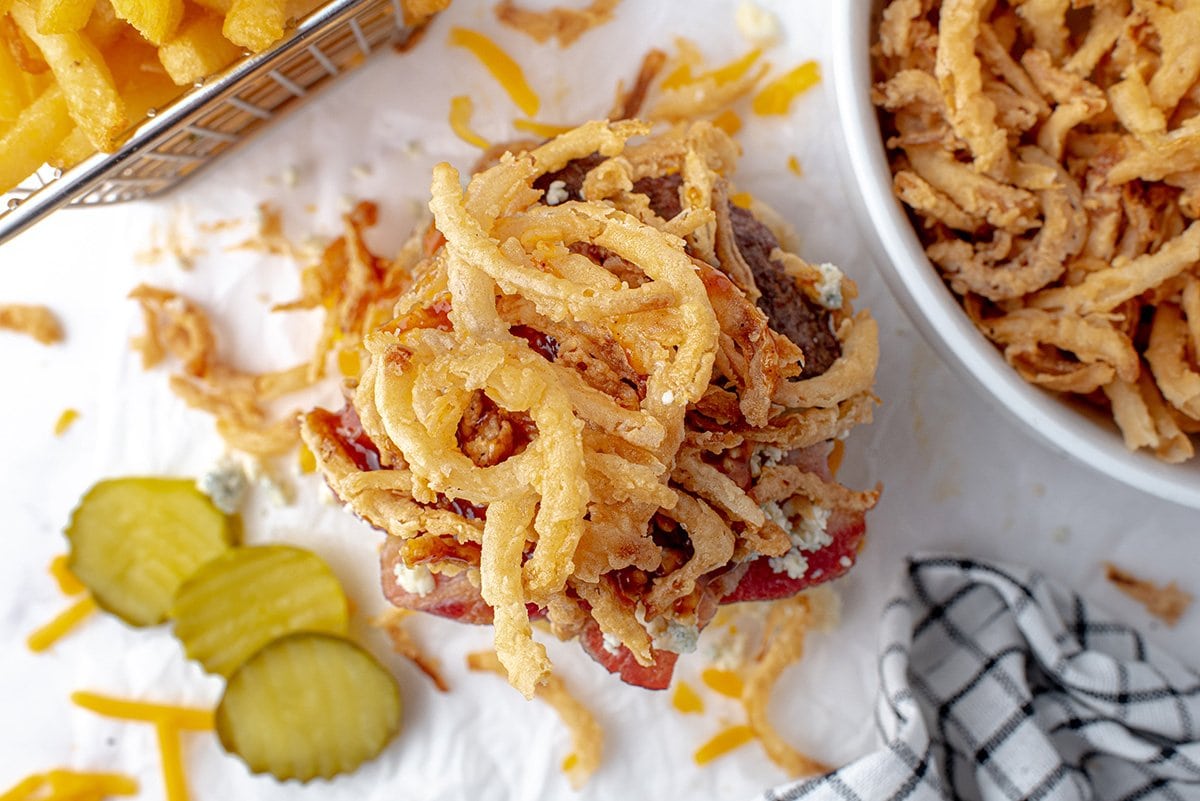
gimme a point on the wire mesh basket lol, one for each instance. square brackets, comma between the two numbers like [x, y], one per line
[215, 115]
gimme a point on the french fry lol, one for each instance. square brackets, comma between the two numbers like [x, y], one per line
[256, 24]
[104, 27]
[222, 7]
[197, 49]
[141, 80]
[29, 143]
[14, 91]
[63, 16]
[71, 150]
[156, 20]
[85, 80]
[142, 89]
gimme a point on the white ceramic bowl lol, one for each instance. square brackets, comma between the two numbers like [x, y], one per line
[916, 283]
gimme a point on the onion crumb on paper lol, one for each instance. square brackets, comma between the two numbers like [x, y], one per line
[392, 623]
[1166, 602]
[564, 24]
[587, 737]
[32, 320]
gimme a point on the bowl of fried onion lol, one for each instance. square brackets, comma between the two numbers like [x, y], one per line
[1031, 216]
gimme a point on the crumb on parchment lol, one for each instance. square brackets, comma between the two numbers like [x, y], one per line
[35, 321]
[1166, 602]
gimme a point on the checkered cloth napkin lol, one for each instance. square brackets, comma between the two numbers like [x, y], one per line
[997, 684]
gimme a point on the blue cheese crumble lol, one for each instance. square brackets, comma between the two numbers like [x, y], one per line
[417, 580]
[807, 528]
[557, 193]
[829, 288]
[225, 484]
[794, 563]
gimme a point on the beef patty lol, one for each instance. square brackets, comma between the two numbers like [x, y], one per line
[788, 309]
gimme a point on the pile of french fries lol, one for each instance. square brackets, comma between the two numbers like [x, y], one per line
[77, 75]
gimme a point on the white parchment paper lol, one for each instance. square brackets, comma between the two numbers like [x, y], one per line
[958, 474]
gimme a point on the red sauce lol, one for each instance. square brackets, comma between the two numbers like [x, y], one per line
[545, 345]
[462, 508]
[436, 316]
[354, 440]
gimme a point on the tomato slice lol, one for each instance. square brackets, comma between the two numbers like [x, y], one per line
[622, 663]
[761, 583]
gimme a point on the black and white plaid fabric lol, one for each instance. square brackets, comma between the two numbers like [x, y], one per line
[998, 685]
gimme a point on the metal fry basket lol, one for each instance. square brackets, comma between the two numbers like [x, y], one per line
[215, 115]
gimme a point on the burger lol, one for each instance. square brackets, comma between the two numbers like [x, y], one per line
[609, 395]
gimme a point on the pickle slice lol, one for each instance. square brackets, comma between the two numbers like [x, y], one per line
[308, 705]
[134, 540]
[246, 597]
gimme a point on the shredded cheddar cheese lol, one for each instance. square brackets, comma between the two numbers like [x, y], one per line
[500, 65]
[728, 121]
[680, 76]
[61, 625]
[777, 96]
[544, 129]
[734, 69]
[686, 700]
[67, 583]
[168, 720]
[569, 762]
[461, 109]
[795, 168]
[171, 755]
[68, 785]
[725, 682]
[64, 422]
[836, 455]
[308, 462]
[179, 717]
[722, 743]
[349, 363]
[743, 200]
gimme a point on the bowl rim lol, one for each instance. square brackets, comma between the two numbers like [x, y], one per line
[929, 305]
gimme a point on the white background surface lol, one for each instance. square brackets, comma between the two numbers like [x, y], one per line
[958, 474]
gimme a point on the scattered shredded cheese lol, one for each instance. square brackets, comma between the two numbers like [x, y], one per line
[728, 121]
[743, 200]
[686, 700]
[171, 755]
[461, 109]
[69, 785]
[777, 96]
[349, 363]
[179, 717]
[725, 682]
[60, 626]
[168, 720]
[794, 167]
[733, 70]
[308, 462]
[543, 129]
[65, 420]
[67, 582]
[722, 743]
[500, 65]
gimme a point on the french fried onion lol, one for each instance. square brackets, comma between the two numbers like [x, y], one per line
[1049, 152]
[572, 405]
